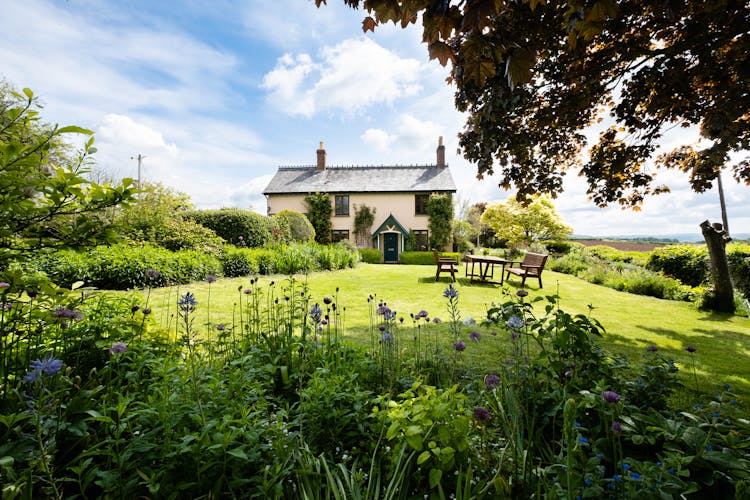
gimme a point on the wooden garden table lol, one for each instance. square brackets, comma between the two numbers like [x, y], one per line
[486, 265]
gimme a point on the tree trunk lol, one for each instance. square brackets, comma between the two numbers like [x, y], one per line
[723, 294]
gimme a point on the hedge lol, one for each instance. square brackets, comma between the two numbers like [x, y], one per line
[424, 258]
[243, 228]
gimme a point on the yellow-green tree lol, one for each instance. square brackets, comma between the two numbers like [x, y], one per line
[517, 223]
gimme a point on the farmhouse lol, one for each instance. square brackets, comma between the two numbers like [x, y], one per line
[398, 194]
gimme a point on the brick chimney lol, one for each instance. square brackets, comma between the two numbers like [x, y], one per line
[440, 153]
[321, 157]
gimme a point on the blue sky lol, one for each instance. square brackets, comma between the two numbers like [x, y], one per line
[216, 95]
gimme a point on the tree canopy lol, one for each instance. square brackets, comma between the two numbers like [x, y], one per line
[46, 201]
[536, 221]
[532, 75]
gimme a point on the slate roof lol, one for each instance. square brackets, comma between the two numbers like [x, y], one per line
[364, 179]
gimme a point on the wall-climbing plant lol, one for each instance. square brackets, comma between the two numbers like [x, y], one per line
[319, 211]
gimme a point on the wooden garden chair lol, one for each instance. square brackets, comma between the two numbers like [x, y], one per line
[444, 265]
[531, 266]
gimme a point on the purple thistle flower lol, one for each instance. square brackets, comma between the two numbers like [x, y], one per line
[611, 397]
[327, 300]
[652, 348]
[381, 328]
[482, 414]
[247, 291]
[475, 336]
[459, 345]
[210, 279]
[221, 327]
[422, 314]
[522, 293]
[436, 320]
[691, 349]
[153, 274]
[491, 382]
[616, 427]
[135, 309]
[118, 348]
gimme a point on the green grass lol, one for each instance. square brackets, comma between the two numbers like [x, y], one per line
[632, 322]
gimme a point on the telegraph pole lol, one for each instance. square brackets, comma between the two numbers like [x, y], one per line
[140, 158]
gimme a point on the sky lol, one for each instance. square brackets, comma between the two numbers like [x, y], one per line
[216, 95]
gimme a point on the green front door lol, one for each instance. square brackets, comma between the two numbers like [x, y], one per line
[390, 247]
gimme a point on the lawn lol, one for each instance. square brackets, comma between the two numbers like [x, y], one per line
[632, 322]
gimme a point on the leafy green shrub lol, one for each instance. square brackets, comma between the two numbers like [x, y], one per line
[370, 255]
[238, 227]
[687, 263]
[610, 254]
[236, 262]
[424, 258]
[559, 247]
[124, 266]
[738, 255]
[185, 234]
[298, 225]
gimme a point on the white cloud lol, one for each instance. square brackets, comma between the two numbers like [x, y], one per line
[378, 139]
[350, 77]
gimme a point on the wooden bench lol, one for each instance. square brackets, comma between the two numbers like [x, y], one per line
[531, 266]
[444, 265]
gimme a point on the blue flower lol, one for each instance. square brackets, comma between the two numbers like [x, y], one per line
[616, 478]
[450, 292]
[582, 440]
[315, 313]
[386, 337]
[587, 482]
[515, 322]
[710, 447]
[187, 302]
[636, 476]
[625, 466]
[47, 366]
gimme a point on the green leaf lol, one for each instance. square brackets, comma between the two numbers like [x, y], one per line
[73, 129]
[28, 93]
[415, 441]
[423, 457]
[238, 453]
[518, 66]
[435, 476]
[76, 285]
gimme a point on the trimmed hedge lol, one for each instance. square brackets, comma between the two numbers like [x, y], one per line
[370, 255]
[738, 255]
[241, 227]
[287, 259]
[687, 263]
[425, 258]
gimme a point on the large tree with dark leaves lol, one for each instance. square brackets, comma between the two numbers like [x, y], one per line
[533, 75]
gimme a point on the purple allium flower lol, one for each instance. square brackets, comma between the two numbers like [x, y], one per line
[247, 291]
[616, 427]
[221, 327]
[422, 314]
[146, 311]
[135, 309]
[47, 366]
[327, 300]
[611, 397]
[383, 310]
[381, 328]
[323, 321]
[386, 337]
[652, 348]
[522, 293]
[187, 302]
[32, 293]
[153, 274]
[61, 312]
[210, 279]
[118, 348]
[436, 320]
[481, 414]
[450, 292]
[459, 345]
[515, 322]
[491, 381]
[691, 349]
[475, 336]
